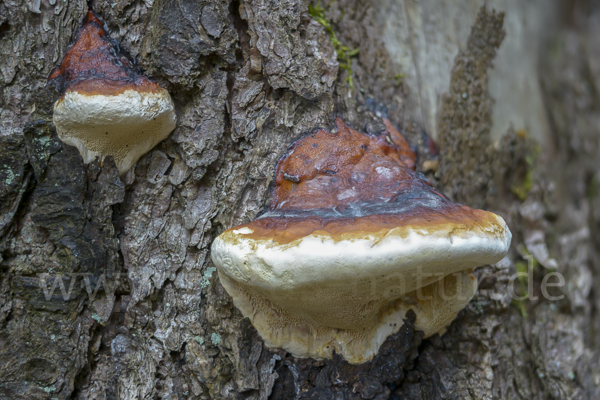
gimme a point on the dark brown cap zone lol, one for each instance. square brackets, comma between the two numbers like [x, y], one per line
[95, 64]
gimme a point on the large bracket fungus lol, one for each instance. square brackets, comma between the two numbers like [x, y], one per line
[352, 240]
[108, 107]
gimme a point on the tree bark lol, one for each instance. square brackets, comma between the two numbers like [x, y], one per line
[146, 316]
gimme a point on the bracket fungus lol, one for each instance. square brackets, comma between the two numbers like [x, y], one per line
[108, 107]
[352, 240]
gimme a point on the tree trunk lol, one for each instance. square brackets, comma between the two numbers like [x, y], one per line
[512, 100]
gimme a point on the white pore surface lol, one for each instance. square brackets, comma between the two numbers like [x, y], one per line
[317, 259]
[125, 126]
[316, 295]
[281, 329]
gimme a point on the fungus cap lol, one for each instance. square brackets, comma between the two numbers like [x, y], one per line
[108, 106]
[352, 240]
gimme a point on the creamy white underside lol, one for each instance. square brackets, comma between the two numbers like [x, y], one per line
[317, 258]
[317, 294]
[125, 126]
[281, 328]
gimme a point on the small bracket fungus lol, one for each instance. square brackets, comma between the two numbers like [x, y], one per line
[108, 107]
[353, 239]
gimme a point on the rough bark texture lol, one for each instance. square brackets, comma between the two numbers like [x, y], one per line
[247, 78]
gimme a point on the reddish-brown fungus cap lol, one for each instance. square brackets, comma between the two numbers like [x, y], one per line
[408, 157]
[352, 238]
[94, 64]
[338, 182]
[108, 106]
[327, 170]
